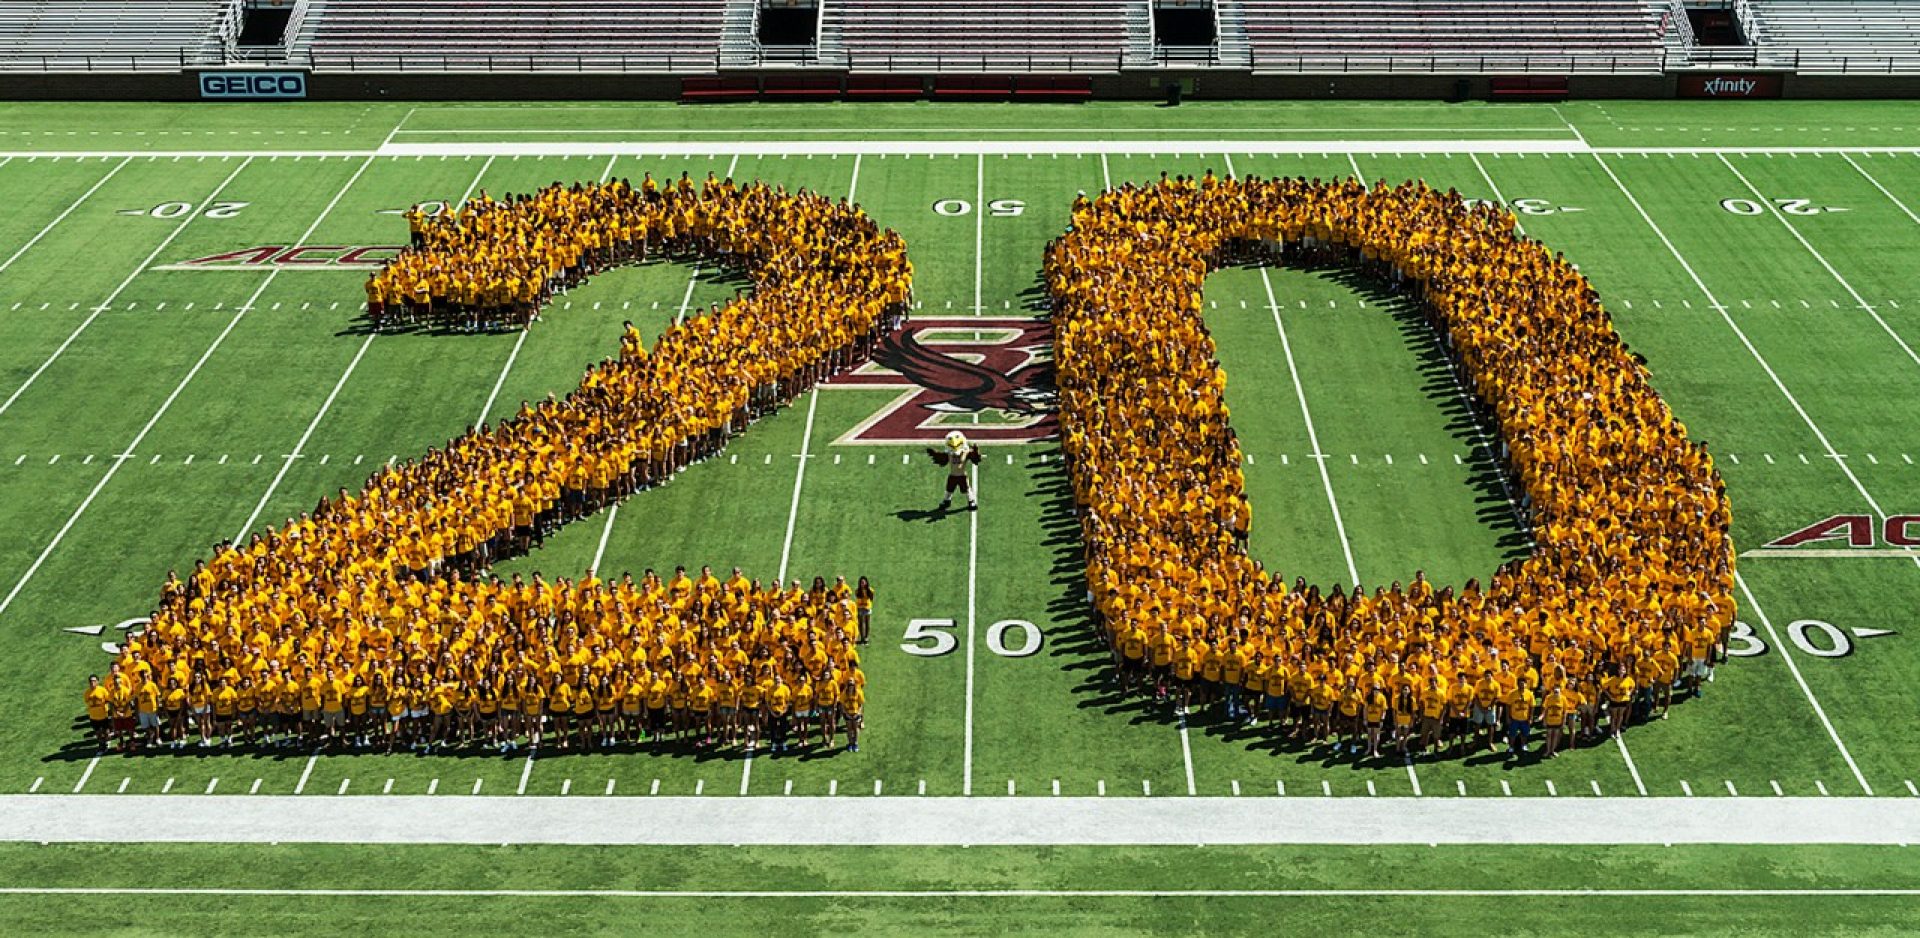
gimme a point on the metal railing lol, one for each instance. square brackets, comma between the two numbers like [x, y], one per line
[232, 17]
[1646, 63]
[1679, 25]
[1802, 61]
[705, 63]
[1744, 18]
[177, 60]
[295, 20]
[1699, 58]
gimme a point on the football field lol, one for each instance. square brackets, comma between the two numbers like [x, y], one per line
[184, 359]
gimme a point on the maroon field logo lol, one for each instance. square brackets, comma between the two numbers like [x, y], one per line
[293, 257]
[1850, 535]
[988, 377]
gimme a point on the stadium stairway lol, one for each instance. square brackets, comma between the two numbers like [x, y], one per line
[740, 34]
[1140, 51]
[1230, 34]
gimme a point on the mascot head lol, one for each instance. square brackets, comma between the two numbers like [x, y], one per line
[956, 441]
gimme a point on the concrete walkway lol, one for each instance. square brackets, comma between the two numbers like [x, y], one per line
[955, 821]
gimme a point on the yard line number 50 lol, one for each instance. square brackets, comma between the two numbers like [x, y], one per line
[1008, 638]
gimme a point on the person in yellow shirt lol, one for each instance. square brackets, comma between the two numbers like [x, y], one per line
[863, 604]
[146, 701]
[1554, 709]
[226, 709]
[1619, 690]
[1405, 710]
[779, 702]
[853, 702]
[1519, 705]
[99, 720]
[1374, 711]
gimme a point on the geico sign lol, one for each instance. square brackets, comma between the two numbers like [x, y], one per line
[253, 84]
[292, 257]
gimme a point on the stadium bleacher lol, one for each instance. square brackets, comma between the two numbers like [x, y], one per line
[1083, 36]
[1483, 36]
[110, 35]
[1836, 36]
[511, 35]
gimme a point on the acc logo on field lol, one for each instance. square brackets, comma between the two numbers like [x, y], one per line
[987, 375]
[293, 257]
[1898, 532]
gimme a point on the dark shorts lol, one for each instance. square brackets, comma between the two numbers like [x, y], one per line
[958, 482]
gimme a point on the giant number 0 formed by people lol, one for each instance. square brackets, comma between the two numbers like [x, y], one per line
[373, 619]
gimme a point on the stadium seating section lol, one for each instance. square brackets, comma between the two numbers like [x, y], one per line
[965, 35]
[505, 35]
[1455, 35]
[108, 35]
[1837, 35]
[991, 41]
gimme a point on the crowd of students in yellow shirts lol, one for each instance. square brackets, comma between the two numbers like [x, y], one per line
[1627, 594]
[372, 620]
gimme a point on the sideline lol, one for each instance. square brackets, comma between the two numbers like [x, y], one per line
[954, 821]
[1842, 892]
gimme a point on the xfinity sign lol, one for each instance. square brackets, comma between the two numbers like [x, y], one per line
[1737, 87]
[1750, 85]
[252, 86]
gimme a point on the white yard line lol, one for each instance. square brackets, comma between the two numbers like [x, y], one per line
[979, 227]
[1495, 189]
[918, 820]
[300, 446]
[1186, 756]
[1632, 769]
[396, 127]
[1787, 656]
[799, 478]
[953, 131]
[1353, 159]
[467, 196]
[1859, 300]
[137, 271]
[686, 299]
[92, 764]
[501, 381]
[1619, 742]
[1838, 458]
[947, 894]
[606, 531]
[973, 582]
[167, 404]
[871, 147]
[1876, 184]
[1313, 438]
[1714, 301]
[306, 773]
[70, 208]
[561, 148]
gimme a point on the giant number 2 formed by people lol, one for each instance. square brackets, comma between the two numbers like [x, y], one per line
[373, 619]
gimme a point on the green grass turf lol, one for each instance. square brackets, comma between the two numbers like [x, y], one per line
[317, 125]
[920, 870]
[1366, 369]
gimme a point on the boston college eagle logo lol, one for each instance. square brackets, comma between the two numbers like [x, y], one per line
[990, 377]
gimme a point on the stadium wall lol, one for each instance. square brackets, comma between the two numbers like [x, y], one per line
[1144, 85]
